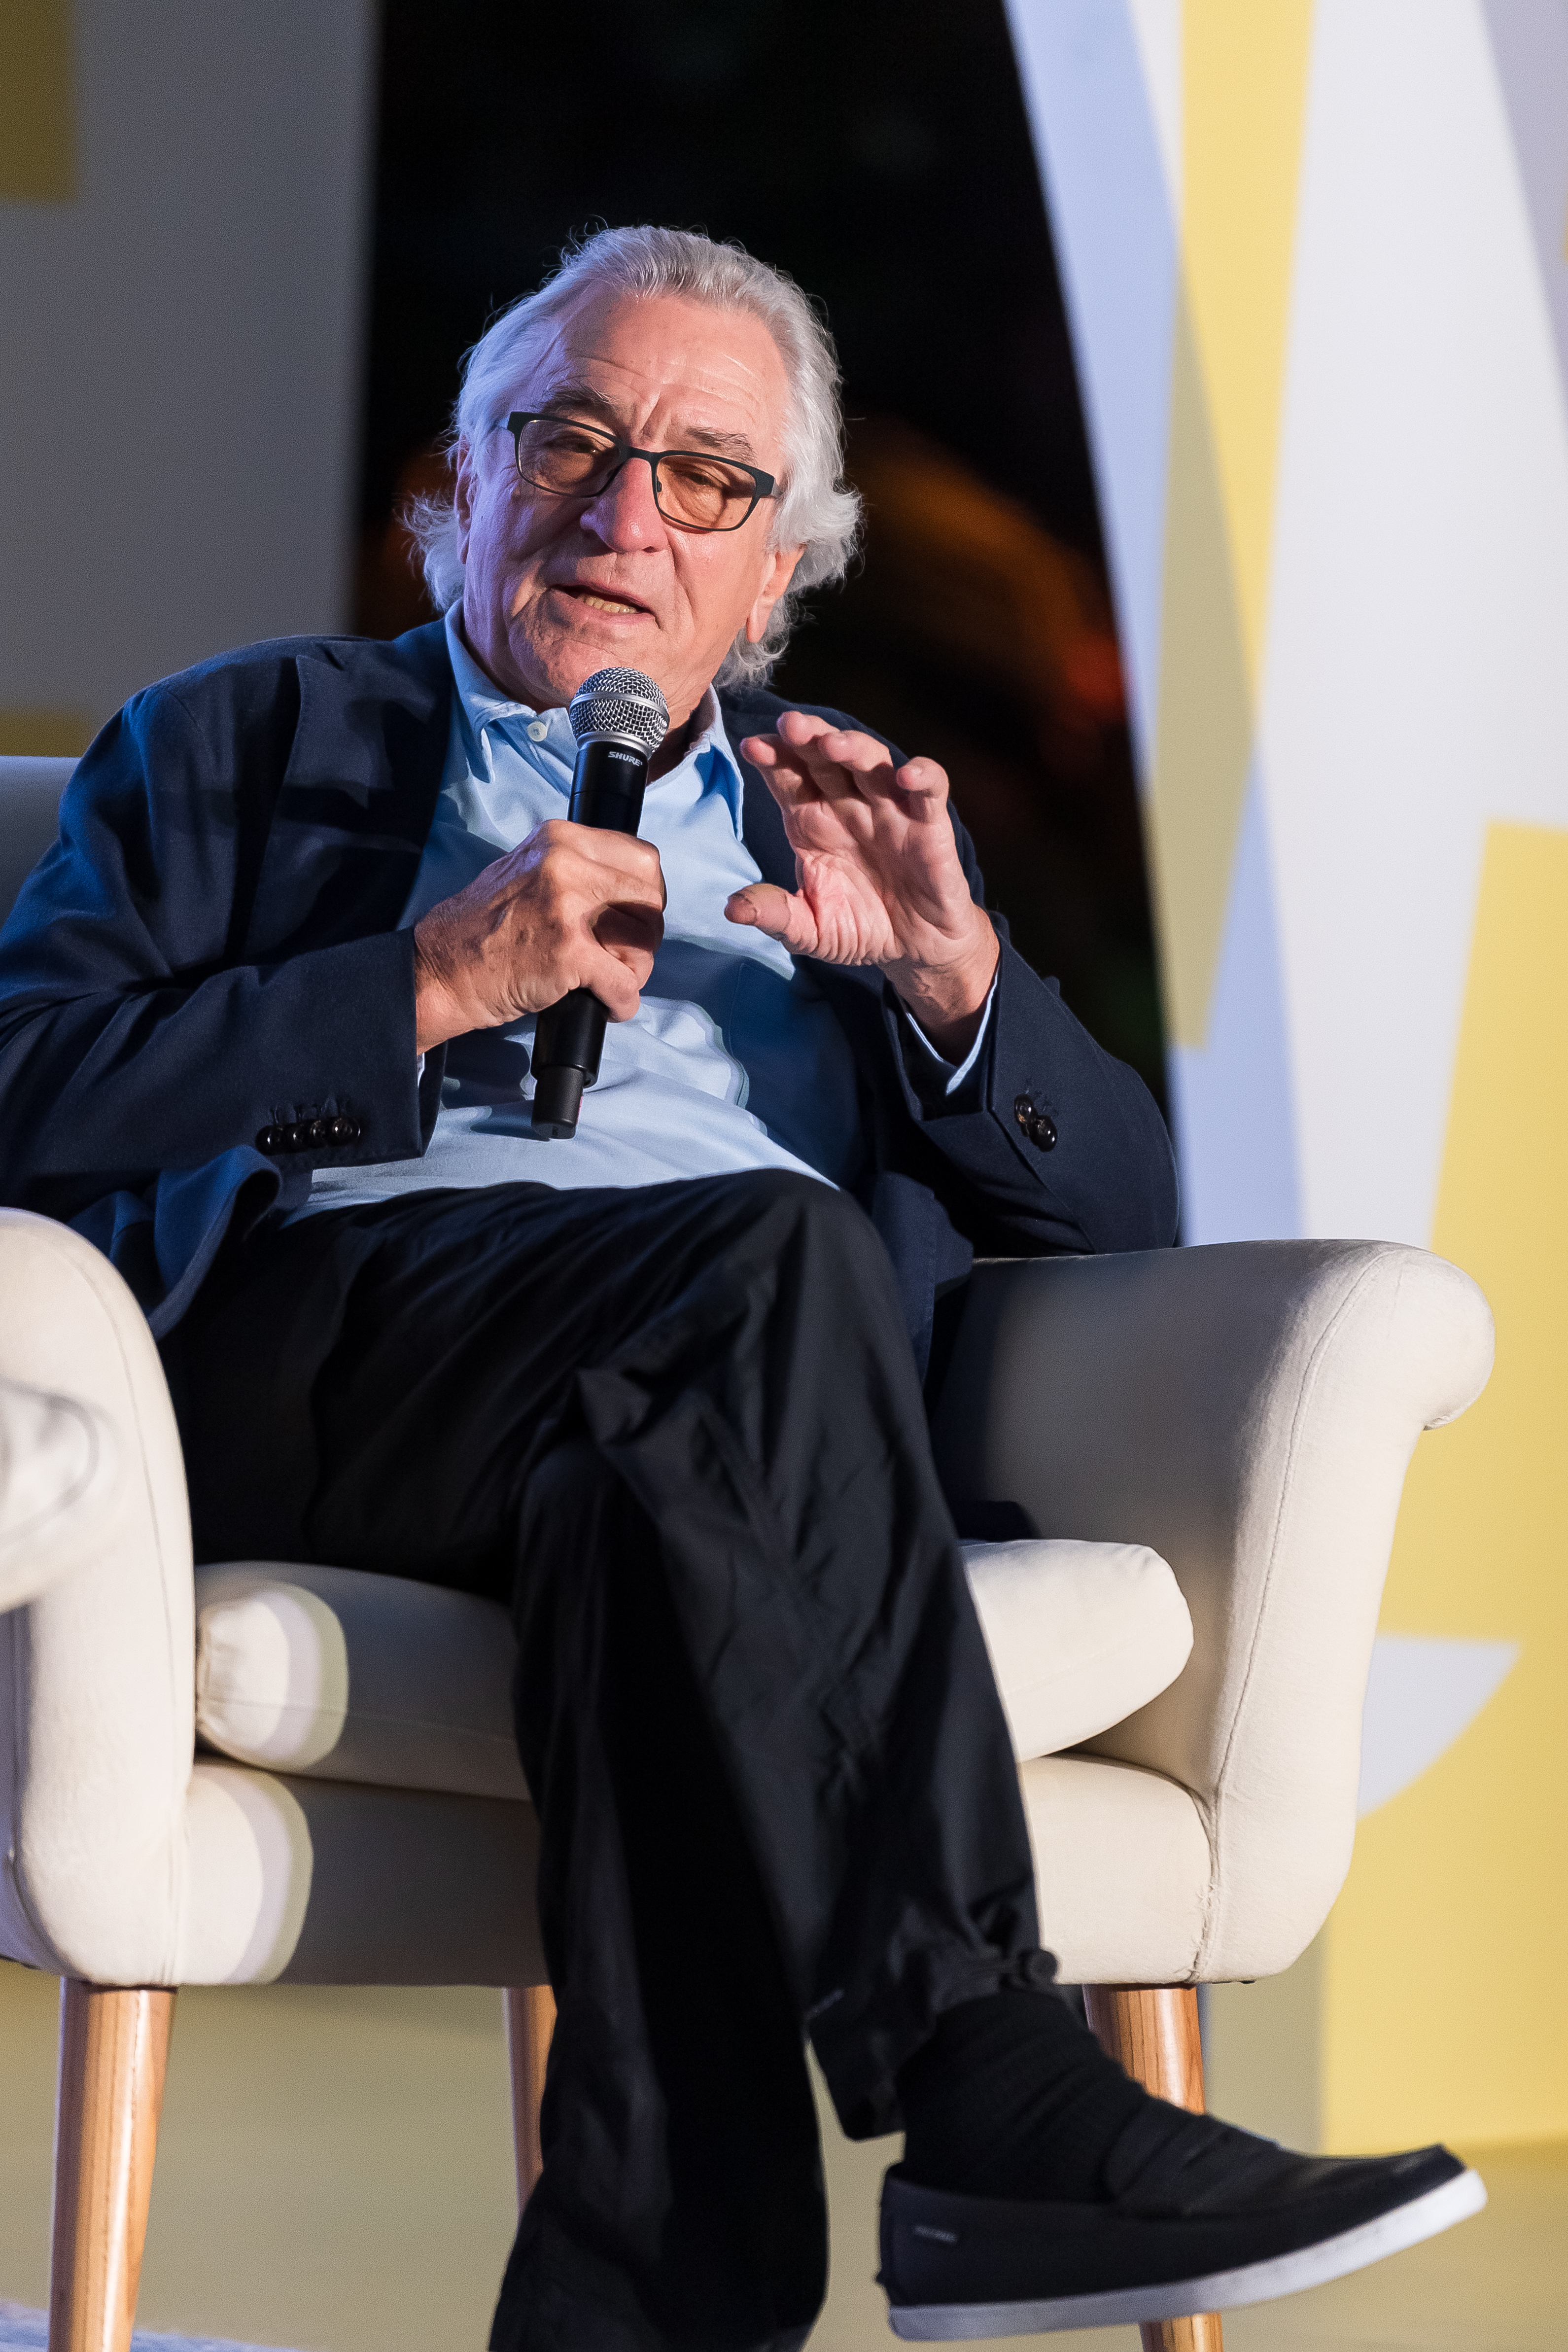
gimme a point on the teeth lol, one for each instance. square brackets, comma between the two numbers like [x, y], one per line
[605, 603]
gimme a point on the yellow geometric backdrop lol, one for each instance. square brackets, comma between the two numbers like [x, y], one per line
[1443, 1999]
[1244, 79]
[1314, 259]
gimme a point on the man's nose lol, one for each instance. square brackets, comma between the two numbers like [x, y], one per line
[624, 514]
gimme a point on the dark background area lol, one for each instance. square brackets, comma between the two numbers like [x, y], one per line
[882, 154]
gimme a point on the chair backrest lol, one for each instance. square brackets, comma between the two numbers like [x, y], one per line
[29, 818]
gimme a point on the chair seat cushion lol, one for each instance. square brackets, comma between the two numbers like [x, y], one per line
[1124, 1869]
[340, 1675]
[323, 1882]
[346, 1676]
[1081, 1634]
[313, 1881]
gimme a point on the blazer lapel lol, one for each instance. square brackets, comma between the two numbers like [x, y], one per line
[762, 826]
[338, 850]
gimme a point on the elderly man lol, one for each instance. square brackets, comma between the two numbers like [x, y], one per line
[265, 1036]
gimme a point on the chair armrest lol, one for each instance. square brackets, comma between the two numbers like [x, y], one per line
[1247, 1410]
[97, 1677]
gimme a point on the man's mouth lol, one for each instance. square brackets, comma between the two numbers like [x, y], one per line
[599, 603]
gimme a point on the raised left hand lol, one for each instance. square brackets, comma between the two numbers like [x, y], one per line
[878, 875]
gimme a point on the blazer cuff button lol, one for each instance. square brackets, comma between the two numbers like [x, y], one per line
[342, 1130]
[1037, 1125]
[271, 1140]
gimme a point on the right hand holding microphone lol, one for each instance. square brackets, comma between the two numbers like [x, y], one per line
[571, 907]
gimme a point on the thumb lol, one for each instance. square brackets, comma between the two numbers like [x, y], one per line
[784, 915]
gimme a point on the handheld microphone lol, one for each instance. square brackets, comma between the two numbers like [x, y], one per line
[619, 719]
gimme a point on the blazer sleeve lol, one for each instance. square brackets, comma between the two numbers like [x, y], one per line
[1107, 1182]
[130, 1038]
[1057, 1142]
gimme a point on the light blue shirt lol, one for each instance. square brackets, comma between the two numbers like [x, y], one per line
[734, 1059]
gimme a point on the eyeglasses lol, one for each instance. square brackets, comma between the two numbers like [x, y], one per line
[692, 487]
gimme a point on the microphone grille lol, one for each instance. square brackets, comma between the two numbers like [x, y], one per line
[620, 702]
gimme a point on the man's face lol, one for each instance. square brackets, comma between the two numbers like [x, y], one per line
[555, 588]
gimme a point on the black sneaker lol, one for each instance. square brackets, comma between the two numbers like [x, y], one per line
[1198, 2217]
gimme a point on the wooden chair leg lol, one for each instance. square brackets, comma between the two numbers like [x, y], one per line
[114, 2051]
[1152, 2031]
[531, 2021]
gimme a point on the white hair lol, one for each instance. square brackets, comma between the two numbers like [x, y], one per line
[814, 510]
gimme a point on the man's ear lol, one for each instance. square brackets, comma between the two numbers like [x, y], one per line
[780, 572]
[463, 490]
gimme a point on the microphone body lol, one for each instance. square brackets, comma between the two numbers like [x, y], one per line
[619, 719]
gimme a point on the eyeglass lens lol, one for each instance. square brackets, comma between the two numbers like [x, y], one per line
[577, 460]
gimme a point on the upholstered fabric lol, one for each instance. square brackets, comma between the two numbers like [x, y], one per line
[1246, 1413]
[59, 1482]
[322, 1882]
[1247, 1410]
[1122, 1870]
[1080, 1634]
[97, 1693]
[341, 1675]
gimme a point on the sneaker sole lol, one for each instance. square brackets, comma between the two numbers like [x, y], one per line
[1330, 2258]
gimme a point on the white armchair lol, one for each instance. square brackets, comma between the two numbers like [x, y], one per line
[1247, 1412]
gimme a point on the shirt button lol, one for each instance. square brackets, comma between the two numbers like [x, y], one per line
[537, 729]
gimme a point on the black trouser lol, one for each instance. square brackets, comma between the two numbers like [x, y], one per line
[680, 1431]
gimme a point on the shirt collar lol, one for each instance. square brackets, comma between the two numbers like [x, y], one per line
[482, 705]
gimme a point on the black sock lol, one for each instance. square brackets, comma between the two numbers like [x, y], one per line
[1012, 2096]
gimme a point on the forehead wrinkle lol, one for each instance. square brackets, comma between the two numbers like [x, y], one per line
[569, 392]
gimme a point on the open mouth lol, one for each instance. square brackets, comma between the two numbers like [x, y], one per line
[598, 600]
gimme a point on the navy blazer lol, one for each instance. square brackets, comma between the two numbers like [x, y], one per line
[210, 950]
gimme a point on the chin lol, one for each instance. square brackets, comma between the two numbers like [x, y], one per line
[570, 655]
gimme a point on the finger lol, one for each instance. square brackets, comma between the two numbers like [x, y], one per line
[800, 778]
[808, 746]
[806, 732]
[845, 747]
[782, 768]
[796, 729]
[827, 746]
[558, 840]
[784, 915]
[615, 984]
[830, 759]
[621, 854]
[631, 934]
[789, 783]
[922, 780]
[844, 763]
[594, 882]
